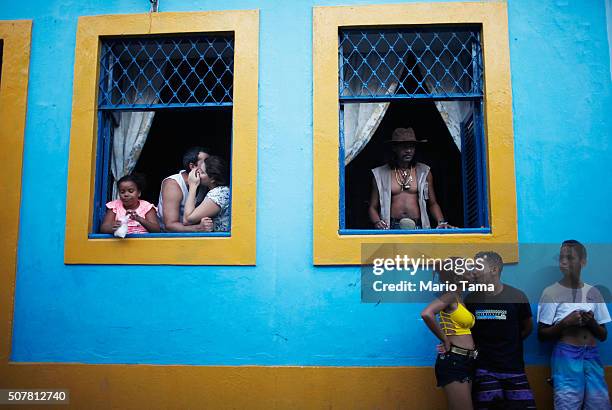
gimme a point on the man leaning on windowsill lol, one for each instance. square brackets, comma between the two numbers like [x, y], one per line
[174, 193]
[403, 190]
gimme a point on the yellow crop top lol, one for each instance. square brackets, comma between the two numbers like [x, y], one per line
[459, 322]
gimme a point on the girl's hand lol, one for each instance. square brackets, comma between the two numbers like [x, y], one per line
[194, 177]
[116, 225]
[134, 216]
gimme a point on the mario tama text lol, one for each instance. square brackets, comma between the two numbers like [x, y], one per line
[430, 286]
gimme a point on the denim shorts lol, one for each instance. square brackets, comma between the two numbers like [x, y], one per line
[453, 367]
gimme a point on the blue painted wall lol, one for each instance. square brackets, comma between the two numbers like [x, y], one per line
[284, 310]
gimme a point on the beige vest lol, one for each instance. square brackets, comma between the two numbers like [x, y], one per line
[383, 175]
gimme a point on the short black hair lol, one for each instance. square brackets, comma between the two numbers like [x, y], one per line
[191, 156]
[136, 178]
[217, 169]
[492, 258]
[580, 248]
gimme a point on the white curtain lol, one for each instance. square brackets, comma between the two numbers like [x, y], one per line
[131, 128]
[437, 80]
[361, 120]
[454, 113]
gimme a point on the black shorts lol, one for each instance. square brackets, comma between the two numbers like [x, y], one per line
[453, 367]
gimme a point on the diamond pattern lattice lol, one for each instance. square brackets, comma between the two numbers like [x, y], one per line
[160, 72]
[417, 63]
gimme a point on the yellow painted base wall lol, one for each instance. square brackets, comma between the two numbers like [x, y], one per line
[153, 387]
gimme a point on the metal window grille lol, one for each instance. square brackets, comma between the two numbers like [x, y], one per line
[435, 64]
[439, 63]
[156, 73]
[166, 72]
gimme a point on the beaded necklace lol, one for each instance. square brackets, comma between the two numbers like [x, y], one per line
[404, 178]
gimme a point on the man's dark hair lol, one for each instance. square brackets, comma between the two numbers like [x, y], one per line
[136, 178]
[217, 169]
[191, 156]
[492, 258]
[580, 248]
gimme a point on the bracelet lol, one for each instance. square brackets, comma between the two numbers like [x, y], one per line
[442, 222]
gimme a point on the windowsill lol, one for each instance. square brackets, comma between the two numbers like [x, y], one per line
[414, 231]
[163, 235]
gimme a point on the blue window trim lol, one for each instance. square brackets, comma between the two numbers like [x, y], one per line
[102, 170]
[157, 107]
[414, 231]
[164, 235]
[429, 97]
[483, 203]
[341, 153]
[476, 96]
[341, 156]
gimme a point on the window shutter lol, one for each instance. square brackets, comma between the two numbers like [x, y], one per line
[472, 158]
[104, 190]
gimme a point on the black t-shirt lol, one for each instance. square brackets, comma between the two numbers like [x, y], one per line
[497, 332]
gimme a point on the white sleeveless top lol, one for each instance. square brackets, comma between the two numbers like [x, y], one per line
[160, 205]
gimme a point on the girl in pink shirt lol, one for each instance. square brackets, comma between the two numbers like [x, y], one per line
[142, 216]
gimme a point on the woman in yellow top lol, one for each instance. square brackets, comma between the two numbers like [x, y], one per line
[455, 363]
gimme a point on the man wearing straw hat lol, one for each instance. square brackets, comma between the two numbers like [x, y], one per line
[403, 189]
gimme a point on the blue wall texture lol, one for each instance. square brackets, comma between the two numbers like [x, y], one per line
[285, 311]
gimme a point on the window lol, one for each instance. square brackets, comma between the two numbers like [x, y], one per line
[438, 68]
[173, 80]
[429, 79]
[155, 95]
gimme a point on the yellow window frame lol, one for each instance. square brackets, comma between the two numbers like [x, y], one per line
[237, 249]
[331, 248]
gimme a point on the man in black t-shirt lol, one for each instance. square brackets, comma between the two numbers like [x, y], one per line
[503, 320]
